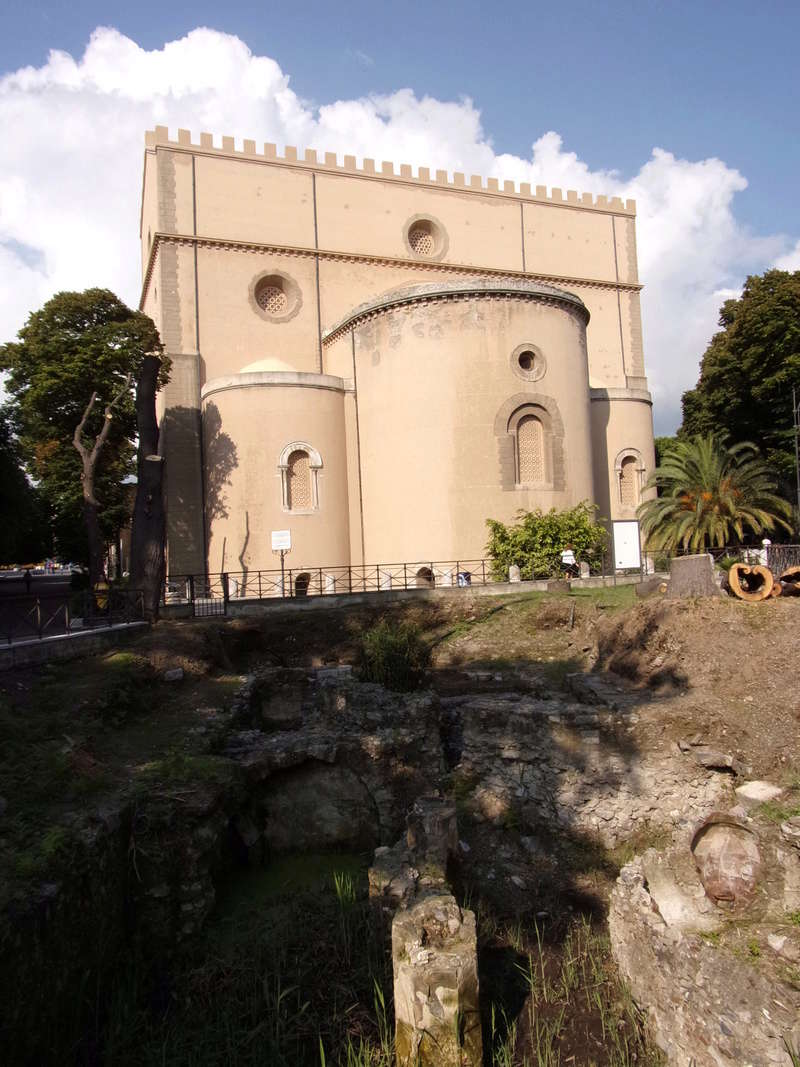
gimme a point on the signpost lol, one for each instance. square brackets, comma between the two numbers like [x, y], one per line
[282, 542]
[627, 546]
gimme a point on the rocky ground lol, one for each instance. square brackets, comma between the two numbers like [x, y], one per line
[574, 732]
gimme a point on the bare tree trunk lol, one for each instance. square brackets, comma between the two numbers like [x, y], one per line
[149, 516]
[89, 458]
[97, 569]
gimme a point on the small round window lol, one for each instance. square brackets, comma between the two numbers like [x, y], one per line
[528, 362]
[272, 298]
[275, 296]
[425, 238]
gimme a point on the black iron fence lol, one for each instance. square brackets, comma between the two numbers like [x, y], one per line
[56, 614]
[210, 593]
[777, 557]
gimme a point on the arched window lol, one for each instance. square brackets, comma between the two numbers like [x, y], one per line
[628, 489]
[299, 481]
[630, 476]
[530, 450]
[299, 464]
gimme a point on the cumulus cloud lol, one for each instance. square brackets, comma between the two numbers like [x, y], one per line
[789, 261]
[72, 131]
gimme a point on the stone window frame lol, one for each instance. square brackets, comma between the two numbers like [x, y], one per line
[314, 467]
[540, 360]
[441, 239]
[294, 297]
[506, 421]
[641, 470]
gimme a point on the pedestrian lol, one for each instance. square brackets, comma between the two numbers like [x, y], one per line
[28, 580]
[568, 562]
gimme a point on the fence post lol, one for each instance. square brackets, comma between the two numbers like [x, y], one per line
[405, 576]
[191, 591]
[225, 588]
[483, 572]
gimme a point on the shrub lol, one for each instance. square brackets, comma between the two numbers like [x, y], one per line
[535, 542]
[395, 655]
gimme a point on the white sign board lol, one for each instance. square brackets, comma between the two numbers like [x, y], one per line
[281, 540]
[627, 547]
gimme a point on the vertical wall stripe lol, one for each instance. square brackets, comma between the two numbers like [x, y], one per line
[358, 446]
[196, 282]
[619, 298]
[201, 442]
[316, 267]
[522, 235]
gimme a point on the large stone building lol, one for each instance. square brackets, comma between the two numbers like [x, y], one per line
[378, 361]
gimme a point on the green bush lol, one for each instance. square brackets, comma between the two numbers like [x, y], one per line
[395, 655]
[535, 542]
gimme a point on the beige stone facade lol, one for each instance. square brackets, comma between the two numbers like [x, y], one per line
[379, 361]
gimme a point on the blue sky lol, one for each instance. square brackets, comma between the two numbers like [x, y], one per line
[712, 84]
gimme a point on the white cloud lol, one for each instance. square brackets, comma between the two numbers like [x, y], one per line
[70, 175]
[789, 261]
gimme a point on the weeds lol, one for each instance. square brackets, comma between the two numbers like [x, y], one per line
[395, 655]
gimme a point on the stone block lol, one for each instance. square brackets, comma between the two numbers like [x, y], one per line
[753, 793]
[432, 835]
[437, 1015]
[513, 573]
[692, 576]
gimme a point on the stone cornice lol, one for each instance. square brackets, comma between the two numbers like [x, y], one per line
[477, 289]
[641, 395]
[260, 379]
[381, 261]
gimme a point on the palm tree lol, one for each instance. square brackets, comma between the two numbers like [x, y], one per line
[709, 492]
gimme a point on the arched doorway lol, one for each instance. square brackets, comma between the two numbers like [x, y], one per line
[301, 584]
[425, 578]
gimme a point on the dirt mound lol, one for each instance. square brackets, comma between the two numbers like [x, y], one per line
[729, 667]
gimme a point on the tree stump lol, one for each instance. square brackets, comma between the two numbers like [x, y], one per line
[750, 583]
[790, 582]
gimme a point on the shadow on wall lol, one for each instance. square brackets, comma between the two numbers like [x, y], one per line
[187, 527]
[220, 461]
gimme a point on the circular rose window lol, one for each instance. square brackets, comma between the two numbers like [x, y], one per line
[528, 362]
[276, 297]
[424, 238]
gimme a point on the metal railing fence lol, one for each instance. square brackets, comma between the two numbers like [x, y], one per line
[51, 615]
[209, 593]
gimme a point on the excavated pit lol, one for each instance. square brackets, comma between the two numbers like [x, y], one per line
[260, 861]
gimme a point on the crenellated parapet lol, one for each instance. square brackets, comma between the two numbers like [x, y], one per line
[386, 170]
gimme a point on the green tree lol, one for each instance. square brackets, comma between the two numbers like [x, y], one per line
[70, 380]
[748, 370]
[663, 445]
[25, 535]
[710, 493]
[535, 542]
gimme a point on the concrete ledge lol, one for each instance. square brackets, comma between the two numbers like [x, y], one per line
[67, 646]
[259, 379]
[642, 395]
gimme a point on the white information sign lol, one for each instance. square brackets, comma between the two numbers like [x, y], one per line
[627, 546]
[281, 540]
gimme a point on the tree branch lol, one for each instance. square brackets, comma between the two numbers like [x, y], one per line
[90, 458]
[76, 437]
[100, 440]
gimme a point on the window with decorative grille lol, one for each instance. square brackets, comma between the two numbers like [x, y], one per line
[628, 479]
[530, 450]
[299, 482]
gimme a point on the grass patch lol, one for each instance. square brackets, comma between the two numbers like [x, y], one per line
[574, 1002]
[395, 655]
[293, 972]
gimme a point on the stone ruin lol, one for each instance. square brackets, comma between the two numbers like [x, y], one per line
[703, 934]
[434, 946]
